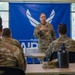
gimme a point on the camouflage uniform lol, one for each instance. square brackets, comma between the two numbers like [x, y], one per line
[69, 44]
[12, 41]
[10, 55]
[44, 37]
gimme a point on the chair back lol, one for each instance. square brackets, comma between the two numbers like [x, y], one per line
[71, 56]
[53, 56]
[11, 71]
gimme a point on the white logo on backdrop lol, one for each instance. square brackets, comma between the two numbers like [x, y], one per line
[35, 22]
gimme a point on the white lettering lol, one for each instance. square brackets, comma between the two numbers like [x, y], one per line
[23, 45]
[29, 45]
[34, 45]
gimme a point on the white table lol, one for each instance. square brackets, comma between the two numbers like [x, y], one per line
[35, 55]
[38, 55]
[37, 69]
[31, 50]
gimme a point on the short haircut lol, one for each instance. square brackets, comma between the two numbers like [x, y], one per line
[0, 21]
[42, 13]
[62, 28]
[6, 32]
[1, 27]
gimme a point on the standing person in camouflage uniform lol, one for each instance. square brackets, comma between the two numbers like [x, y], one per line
[69, 43]
[45, 34]
[11, 55]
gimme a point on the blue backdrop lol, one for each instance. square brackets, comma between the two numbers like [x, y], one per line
[25, 16]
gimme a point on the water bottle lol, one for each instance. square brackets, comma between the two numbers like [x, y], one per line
[44, 63]
[63, 57]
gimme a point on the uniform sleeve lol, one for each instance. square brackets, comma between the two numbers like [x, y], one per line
[72, 47]
[21, 59]
[49, 51]
[18, 45]
[53, 33]
[36, 32]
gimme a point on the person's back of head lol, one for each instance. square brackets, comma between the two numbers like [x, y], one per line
[6, 32]
[0, 21]
[62, 29]
[1, 25]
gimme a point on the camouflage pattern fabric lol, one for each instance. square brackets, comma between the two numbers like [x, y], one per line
[54, 46]
[12, 41]
[10, 55]
[45, 37]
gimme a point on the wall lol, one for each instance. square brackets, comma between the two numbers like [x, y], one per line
[39, 0]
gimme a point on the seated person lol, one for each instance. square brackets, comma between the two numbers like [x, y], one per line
[10, 55]
[7, 37]
[69, 43]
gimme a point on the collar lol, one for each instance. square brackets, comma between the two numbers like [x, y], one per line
[44, 23]
[63, 35]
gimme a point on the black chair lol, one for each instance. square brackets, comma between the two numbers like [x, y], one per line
[11, 71]
[71, 56]
[53, 56]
